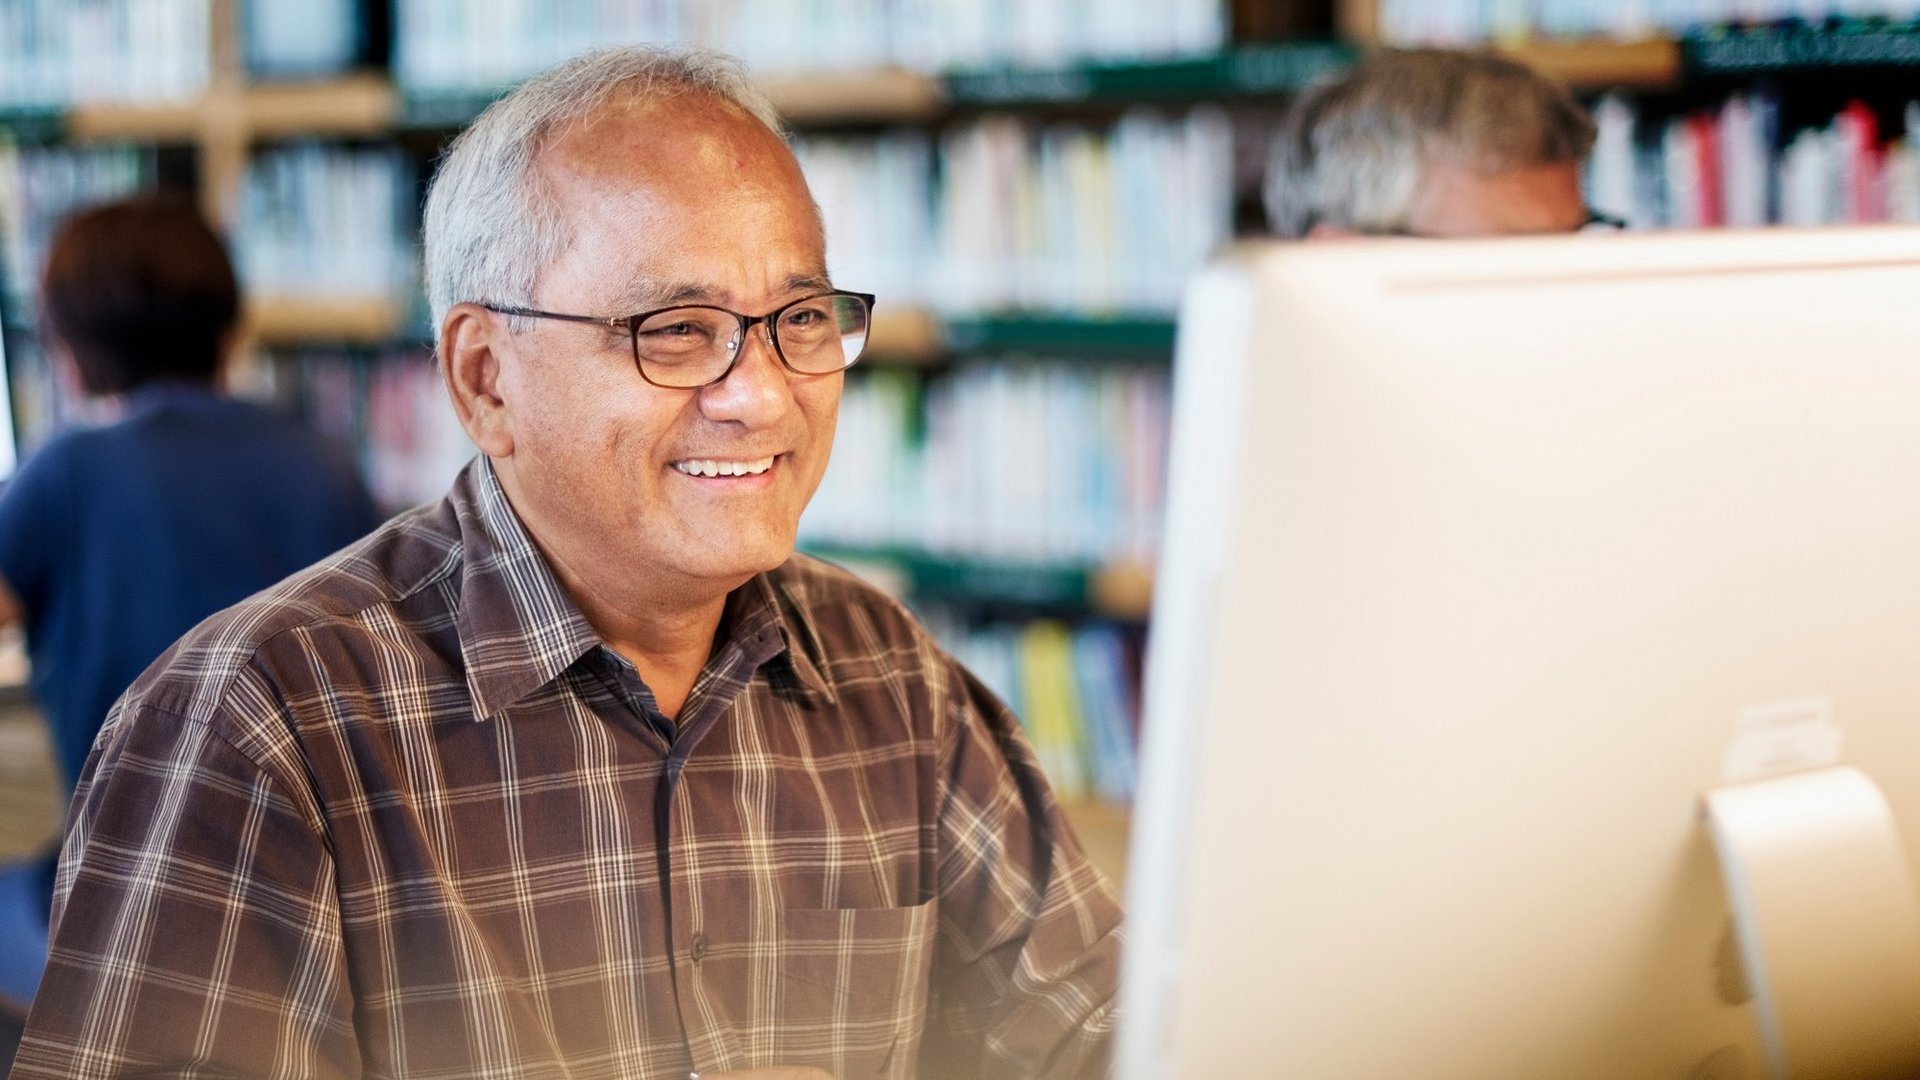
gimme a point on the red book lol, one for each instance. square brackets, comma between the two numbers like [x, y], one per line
[1703, 131]
[1861, 140]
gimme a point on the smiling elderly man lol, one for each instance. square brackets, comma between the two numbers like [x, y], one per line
[582, 771]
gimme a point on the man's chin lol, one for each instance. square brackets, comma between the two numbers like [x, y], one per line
[736, 561]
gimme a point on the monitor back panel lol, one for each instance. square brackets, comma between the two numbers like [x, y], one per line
[1478, 554]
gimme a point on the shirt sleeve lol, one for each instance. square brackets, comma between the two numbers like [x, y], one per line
[1030, 929]
[33, 525]
[195, 923]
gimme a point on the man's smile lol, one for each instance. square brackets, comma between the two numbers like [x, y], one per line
[718, 467]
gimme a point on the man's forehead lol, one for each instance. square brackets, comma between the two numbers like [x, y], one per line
[691, 129]
[646, 295]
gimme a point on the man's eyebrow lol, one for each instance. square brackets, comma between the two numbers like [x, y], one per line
[648, 295]
[809, 283]
[653, 295]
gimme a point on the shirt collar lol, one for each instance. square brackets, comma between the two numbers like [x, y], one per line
[169, 393]
[789, 615]
[519, 629]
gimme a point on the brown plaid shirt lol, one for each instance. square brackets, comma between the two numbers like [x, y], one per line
[405, 815]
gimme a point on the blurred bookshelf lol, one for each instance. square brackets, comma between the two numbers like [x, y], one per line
[1120, 591]
[1103, 828]
[1777, 49]
[910, 336]
[1026, 193]
[1060, 335]
[1650, 63]
[366, 320]
[361, 104]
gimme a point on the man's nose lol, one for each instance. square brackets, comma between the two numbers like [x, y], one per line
[755, 389]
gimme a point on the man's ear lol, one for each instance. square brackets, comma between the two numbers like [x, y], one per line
[472, 341]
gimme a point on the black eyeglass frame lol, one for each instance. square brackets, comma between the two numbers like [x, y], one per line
[631, 324]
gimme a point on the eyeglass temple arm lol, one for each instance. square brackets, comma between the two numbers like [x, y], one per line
[616, 322]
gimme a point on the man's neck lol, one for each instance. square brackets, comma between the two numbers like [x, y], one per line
[667, 638]
[664, 623]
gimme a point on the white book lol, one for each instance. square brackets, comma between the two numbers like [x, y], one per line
[1903, 170]
[1746, 164]
[1805, 180]
[1610, 167]
[1682, 164]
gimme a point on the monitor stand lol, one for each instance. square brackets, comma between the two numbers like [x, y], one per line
[1827, 919]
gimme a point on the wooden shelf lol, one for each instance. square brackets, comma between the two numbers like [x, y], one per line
[887, 95]
[351, 105]
[324, 320]
[354, 105]
[108, 121]
[1595, 65]
[1103, 829]
[1123, 590]
[907, 335]
[367, 104]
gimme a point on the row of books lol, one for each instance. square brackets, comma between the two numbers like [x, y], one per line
[328, 221]
[42, 406]
[875, 198]
[1734, 166]
[1459, 22]
[390, 408]
[1002, 213]
[1065, 217]
[55, 52]
[458, 45]
[997, 214]
[40, 187]
[1018, 459]
[284, 39]
[1075, 691]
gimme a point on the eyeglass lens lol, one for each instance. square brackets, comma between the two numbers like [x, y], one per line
[693, 346]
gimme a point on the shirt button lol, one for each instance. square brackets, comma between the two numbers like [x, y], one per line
[699, 947]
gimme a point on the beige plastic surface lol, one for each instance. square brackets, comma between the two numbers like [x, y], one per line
[1478, 553]
[1828, 922]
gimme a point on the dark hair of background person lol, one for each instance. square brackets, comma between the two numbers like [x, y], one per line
[140, 290]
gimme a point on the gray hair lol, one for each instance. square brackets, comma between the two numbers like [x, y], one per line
[1351, 151]
[490, 226]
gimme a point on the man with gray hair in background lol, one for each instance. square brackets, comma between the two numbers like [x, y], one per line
[582, 771]
[1433, 143]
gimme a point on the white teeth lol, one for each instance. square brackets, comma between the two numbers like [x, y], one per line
[710, 467]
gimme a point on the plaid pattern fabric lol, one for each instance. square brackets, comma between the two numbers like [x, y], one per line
[405, 815]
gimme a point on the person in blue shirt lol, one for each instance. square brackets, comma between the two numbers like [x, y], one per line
[115, 540]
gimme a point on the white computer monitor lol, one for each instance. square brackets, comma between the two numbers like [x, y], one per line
[1485, 562]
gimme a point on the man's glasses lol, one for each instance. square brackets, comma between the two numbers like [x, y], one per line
[694, 345]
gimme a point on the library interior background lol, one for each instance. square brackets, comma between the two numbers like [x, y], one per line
[1026, 183]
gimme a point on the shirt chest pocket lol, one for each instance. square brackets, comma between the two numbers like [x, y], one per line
[852, 987]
